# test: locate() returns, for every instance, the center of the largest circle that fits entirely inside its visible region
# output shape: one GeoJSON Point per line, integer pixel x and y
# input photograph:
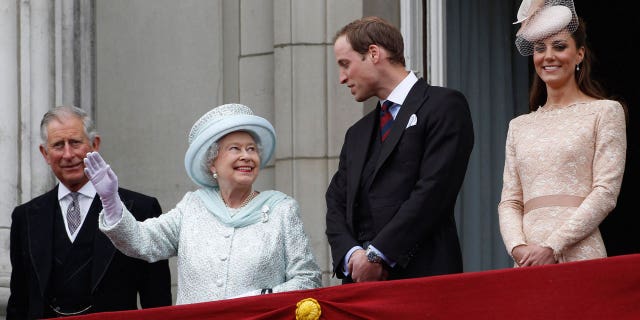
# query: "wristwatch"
{"type": "Point", "coordinates": [372, 256]}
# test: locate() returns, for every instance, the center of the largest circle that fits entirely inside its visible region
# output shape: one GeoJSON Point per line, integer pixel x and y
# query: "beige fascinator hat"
{"type": "Point", "coordinates": [214, 125]}
{"type": "Point", "coordinates": [541, 19]}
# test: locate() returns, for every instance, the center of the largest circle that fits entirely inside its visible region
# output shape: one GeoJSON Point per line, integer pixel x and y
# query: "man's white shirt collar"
{"type": "Point", "coordinates": [401, 91]}
{"type": "Point", "coordinates": [88, 190]}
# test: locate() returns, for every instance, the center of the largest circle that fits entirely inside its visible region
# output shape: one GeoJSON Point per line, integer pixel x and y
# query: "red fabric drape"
{"type": "Point", "coordinates": [597, 289]}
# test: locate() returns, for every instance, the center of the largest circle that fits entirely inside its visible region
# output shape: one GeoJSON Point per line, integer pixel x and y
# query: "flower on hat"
{"type": "Point", "coordinates": [527, 8]}
{"type": "Point", "coordinates": [214, 125]}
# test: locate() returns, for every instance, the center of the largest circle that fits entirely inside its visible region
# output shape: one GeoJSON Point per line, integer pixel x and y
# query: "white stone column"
{"type": "Point", "coordinates": [436, 43]}
{"type": "Point", "coordinates": [36, 91]}
{"type": "Point", "coordinates": [411, 28]}
{"type": "Point", "coordinates": [74, 53]}
{"type": "Point", "coordinates": [85, 57]}
{"type": "Point", "coordinates": [9, 157]}
{"type": "Point", "coordinates": [64, 53]}
{"type": "Point", "coordinates": [26, 84]}
{"type": "Point", "coordinates": [46, 54]}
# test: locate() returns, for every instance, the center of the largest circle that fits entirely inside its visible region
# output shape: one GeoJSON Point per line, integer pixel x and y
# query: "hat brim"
{"type": "Point", "coordinates": [196, 154]}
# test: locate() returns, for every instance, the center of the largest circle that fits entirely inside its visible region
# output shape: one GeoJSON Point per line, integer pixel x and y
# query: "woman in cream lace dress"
{"type": "Point", "coordinates": [565, 160]}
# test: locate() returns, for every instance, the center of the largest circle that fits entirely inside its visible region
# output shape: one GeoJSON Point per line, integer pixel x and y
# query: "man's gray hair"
{"type": "Point", "coordinates": [60, 112]}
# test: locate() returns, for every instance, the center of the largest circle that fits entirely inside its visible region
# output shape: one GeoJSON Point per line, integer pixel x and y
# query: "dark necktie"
{"type": "Point", "coordinates": [386, 119]}
{"type": "Point", "coordinates": [73, 213]}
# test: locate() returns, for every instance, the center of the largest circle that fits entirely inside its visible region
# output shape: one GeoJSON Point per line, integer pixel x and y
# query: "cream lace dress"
{"type": "Point", "coordinates": [578, 150]}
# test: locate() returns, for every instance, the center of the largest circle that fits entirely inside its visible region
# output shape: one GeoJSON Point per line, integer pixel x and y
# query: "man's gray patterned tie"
{"type": "Point", "coordinates": [73, 213]}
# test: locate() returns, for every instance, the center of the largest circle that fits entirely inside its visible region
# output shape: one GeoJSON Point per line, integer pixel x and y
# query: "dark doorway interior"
{"type": "Point", "coordinates": [611, 33]}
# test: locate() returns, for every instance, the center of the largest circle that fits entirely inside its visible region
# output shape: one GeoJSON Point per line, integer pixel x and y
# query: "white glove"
{"type": "Point", "coordinates": [106, 183]}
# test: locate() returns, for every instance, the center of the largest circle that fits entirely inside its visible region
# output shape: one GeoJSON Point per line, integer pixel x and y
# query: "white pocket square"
{"type": "Point", "coordinates": [412, 121]}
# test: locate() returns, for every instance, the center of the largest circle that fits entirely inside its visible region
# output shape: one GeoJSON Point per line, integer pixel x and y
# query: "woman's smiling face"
{"type": "Point", "coordinates": [238, 162]}
{"type": "Point", "coordinates": [555, 59]}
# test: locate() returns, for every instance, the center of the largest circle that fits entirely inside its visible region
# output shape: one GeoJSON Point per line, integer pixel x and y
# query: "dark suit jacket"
{"type": "Point", "coordinates": [417, 178]}
{"type": "Point", "coordinates": [115, 278]}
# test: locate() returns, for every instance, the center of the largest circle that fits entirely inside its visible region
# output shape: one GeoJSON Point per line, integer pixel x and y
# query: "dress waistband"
{"type": "Point", "coordinates": [561, 200]}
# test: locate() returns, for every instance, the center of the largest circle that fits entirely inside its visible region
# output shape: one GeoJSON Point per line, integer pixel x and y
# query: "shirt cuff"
{"type": "Point", "coordinates": [345, 265]}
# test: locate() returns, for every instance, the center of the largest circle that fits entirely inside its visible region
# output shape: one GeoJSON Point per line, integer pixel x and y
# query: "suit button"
{"type": "Point", "coordinates": [219, 283]}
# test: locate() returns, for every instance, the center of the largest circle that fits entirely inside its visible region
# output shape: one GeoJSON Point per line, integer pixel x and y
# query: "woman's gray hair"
{"type": "Point", "coordinates": [60, 112]}
{"type": "Point", "coordinates": [214, 149]}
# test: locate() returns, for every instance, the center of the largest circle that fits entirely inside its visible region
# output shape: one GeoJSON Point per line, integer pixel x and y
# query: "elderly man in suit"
{"type": "Point", "coordinates": [61, 263]}
{"type": "Point", "coordinates": [390, 205]}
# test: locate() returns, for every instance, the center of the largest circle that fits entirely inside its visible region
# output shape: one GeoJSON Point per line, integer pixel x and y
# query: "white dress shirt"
{"type": "Point", "coordinates": [85, 198]}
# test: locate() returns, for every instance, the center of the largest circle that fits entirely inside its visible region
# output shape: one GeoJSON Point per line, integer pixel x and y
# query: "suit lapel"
{"type": "Point", "coordinates": [414, 101]}
{"type": "Point", "coordinates": [359, 148]}
{"type": "Point", "coordinates": [40, 228]}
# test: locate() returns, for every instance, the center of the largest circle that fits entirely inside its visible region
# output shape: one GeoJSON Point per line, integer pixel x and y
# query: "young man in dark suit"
{"type": "Point", "coordinates": [390, 205]}
{"type": "Point", "coordinates": [61, 263]}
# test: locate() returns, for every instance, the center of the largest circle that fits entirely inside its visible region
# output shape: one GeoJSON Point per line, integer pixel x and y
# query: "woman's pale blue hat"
{"type": "Point", "coordinates": [214, 125]}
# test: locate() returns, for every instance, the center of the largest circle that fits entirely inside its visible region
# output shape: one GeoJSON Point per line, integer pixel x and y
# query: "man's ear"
{"type": "Point", "coordinates": [95, 144]}
{"type": "Point", "coordinates": [374, 53]}
{"type": "Point", "coordinates": [43, 151]}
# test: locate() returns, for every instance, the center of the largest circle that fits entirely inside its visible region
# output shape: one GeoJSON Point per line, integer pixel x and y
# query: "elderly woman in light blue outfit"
{"type": "Point", "coordinates": [230, 240]}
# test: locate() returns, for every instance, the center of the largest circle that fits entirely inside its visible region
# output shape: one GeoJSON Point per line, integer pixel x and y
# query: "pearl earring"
{"type": "Point", "coordinates": [578, 67]}
{"type": "Point", "coordinates": [215, 175]}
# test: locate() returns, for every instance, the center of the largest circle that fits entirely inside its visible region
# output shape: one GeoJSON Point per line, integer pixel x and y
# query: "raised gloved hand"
{"type": "Point", "coordinates": [106, 183]}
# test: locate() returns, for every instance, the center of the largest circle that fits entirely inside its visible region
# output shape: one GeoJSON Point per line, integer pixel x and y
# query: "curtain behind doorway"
{"type": "Point", "coordinates": [482, 62]}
